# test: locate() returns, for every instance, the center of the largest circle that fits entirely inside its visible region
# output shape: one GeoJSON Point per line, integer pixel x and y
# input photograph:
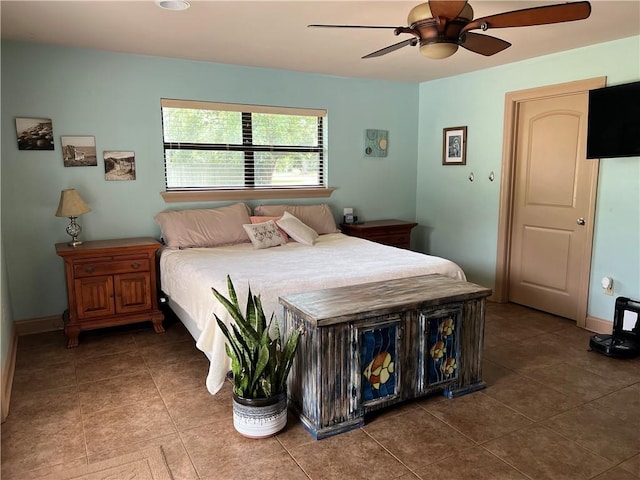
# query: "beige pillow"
{"type": "Point", "coordinates": [210, 227]}
{"type": "Point", "coordinates": [265, 234]}
{"type": "Point", "coordinates": [318, 217]}
{"type": "Point", "coordinates": [297, 230]}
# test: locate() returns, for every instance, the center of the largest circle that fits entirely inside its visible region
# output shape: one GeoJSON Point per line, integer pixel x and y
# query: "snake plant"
{"type": "Point", "coordinates": [259, 362]}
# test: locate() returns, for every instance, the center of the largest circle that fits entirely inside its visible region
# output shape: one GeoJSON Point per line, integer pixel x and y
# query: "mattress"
{"type": "Point", "coordinates": [188, 276]}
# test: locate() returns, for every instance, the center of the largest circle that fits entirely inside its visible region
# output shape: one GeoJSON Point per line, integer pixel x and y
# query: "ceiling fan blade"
{"type": "Point", "coordinates": [565, 12]}
{"type": "Point", "coordinates": [353, 26]}
{"type": "Point", "coordinates": [443, 11]}
{"type": "Point", "coordinates": [448, 9]}
{"type": "Point", "coordinates": [483, 44]}
{"type": "Point", "coordinates": [392, 48]}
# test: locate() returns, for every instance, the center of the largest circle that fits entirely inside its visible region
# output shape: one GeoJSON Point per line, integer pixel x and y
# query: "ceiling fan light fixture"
{"type": "Point", "coordinates": [418, 13]}
{"type": "Point", "coordinates": [441, 26]}
{"type": "Point", "coordinates": [438, 50]}
{"type": "Point", "coordinates": [175, 5]}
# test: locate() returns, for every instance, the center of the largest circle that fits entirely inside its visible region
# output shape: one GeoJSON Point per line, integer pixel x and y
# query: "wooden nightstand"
{"type": "Point", "coordinates": [396, 233]}
{"type": "Point", "coordinates": [110, 282]}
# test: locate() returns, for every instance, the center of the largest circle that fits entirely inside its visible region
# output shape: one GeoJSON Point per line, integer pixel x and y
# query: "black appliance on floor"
{"type": "Point", "coordinates": [624, 341]}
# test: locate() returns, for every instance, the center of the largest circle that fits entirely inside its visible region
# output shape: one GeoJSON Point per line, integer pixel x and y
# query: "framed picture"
{"type": "Point", "coordinates": [376, 143]}
{"type": "Point", "coordinates": [34, 133]}
{"type": "Point", "coordinates": [119, 165]}
{"type": "Point", "coordinates": [79, 151]}
{"type": "Point", "coordinates": [454, 146]}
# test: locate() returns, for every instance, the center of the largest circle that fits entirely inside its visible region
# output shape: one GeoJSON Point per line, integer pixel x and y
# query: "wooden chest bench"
{"type": "Point", "coordinates": [373, 345]}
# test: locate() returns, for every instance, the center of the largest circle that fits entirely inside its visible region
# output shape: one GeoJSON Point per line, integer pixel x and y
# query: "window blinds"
{"type": "Point", "coordinates": [211, 145]}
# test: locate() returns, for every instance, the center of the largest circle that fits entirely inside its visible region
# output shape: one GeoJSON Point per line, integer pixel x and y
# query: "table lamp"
{"type": "Point", "coordinates": [71, 205]}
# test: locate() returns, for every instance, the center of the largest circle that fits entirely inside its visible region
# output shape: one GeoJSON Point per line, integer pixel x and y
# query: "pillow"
{"type": "Point", "coordinates": [211, 227]}
{"type": "Point", "coordinates": [266, 219]}
{"type": "Point", "coordinates": [264, 234]}
{"type": "Point", "coordinates": [297, 230]}
{"type": "Point", "coordinates": [318, 217]}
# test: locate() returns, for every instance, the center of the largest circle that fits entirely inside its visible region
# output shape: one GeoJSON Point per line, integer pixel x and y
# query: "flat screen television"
{"type": "Point", "coordinates": [614, 121]}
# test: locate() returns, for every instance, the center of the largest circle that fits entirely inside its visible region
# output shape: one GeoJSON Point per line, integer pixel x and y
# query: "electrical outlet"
{"type": "Point", "coordinates": [607, 285]}
{"type": "Point", "coordinates": [609, 290]}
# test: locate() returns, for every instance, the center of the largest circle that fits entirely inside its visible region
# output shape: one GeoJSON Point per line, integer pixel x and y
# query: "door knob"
{"type": "Point", "coordinates": [580, 221]}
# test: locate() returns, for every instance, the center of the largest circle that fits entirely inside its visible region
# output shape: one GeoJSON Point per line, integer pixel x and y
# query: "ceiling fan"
{"type": "Point", "coordinates": [441, 26]}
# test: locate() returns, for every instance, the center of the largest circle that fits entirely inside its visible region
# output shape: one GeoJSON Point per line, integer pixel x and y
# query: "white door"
{"type": "Point", "coordinates": [537, 222]}
{"type": "Point", "coordinates": [552, 220]}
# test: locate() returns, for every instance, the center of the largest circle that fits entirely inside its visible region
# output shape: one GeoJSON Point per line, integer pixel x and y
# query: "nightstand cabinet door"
{"type": "Point", "coordinates": [133, 292]}
{"type": "Point", "coordinates": [94, 297]}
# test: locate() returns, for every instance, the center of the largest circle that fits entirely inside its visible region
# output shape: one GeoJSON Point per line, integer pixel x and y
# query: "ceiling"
{"type": "Point", "coordinates": [274, 34]}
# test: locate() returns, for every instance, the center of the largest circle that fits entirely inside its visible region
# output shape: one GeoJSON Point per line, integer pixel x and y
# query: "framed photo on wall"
{"type": "Point", "coordinates": [119, 165]}
{"type": "Point", "coordinates": [34, 133]}
{"type": "Point", "coordinates": [454, 146]}
{"type": "Point", "coordinates": [79, 151]}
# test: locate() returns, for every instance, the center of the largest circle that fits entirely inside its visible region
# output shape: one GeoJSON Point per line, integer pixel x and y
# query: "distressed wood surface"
{"type": "Point", "coordinates": [335, 305]}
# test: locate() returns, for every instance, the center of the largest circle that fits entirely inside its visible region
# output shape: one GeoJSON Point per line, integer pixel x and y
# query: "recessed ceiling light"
{"type": "Point", "coordinates": [173, 4]}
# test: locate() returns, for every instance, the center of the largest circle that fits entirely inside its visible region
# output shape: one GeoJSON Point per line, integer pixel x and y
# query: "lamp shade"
{"type": "Point", "coordinates": [71, 204]}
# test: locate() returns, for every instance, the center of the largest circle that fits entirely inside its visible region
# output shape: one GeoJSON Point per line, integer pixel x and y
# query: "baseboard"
{"type": "Point", "coordinates": [8, 372]}
{"type": "Point", "coordinates": [38, 325]}
{"type": "Point", "coordinates": [598, 325]}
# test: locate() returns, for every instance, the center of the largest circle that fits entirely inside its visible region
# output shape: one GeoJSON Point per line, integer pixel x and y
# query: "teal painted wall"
{"type": "Point", "coordinates": [461, 217]}
{"type": "Point", "coordinates": [116, 98]}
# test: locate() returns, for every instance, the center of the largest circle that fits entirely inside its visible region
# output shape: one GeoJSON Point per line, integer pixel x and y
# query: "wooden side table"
{"type": "Point", "coordinates": [396, 233]}
{"type": "Point", "coordinates": [110, 282]}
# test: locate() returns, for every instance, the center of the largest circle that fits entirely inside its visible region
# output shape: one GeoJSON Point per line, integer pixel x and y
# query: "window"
{"type": "Point", "coordinates": [220, 146]}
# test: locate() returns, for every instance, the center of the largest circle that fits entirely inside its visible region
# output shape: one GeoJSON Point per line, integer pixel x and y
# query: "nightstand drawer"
{"type": "Point", "coordinates": [101, 267]}
{"type": "Point", "coordinates": [396, 233]}
{"type": "Point", "coordinates": [388, 237]}
{"type": "Point", "coordinates": [391, 238]}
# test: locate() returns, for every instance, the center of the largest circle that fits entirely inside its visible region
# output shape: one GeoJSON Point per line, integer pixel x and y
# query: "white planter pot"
{"type": "Point", "coordinates": [259, 418]}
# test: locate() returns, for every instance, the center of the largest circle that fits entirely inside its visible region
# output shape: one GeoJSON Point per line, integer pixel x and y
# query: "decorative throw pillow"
{"type": "Point", "coordinates": [264, 234]}
{"type": "Point", "coordinates": [317, 216]}
{"type": "Point", "coordinates": [266, 219]}
{"type": "Point", "coordinates": [297, 230]}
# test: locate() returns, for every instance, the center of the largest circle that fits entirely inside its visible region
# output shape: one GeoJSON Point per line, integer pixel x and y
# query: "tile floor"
{"type": "Point", "coordinates": [552, 410]}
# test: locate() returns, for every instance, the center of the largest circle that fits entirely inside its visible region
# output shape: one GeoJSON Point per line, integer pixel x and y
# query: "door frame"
{"type": "Point", "coordinates": [507, 186]}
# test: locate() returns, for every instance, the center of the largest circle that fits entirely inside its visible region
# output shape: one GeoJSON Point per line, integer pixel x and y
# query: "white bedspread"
{"type": "Point", "coordinates": [187, 277]}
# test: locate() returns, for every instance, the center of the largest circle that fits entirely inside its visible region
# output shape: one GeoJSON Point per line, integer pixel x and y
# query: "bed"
{"type": "Point", "coordinates": [333, 259]}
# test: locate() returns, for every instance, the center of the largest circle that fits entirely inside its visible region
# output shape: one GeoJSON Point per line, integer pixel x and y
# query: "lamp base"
{"type": "Point", "coordinates": [73, 230]}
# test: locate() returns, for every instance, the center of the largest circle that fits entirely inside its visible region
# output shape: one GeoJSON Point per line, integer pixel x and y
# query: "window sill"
{"type": "Point", "coordinates": [244, 194]}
